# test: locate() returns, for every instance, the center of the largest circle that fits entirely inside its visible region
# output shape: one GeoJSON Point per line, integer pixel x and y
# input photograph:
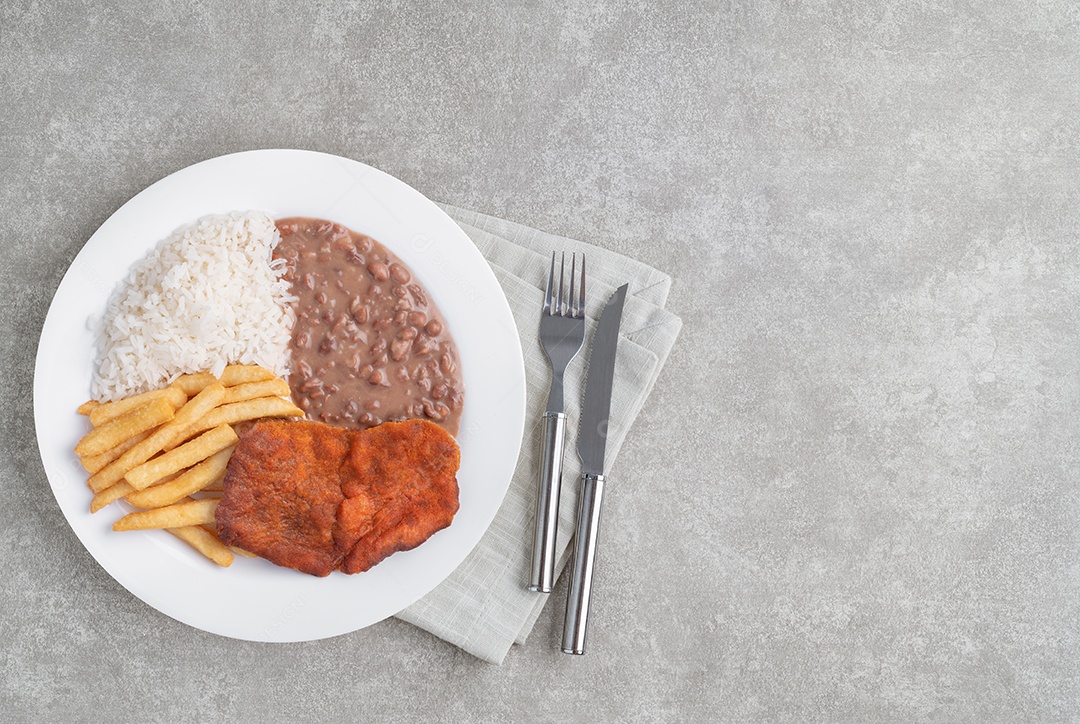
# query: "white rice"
{"type": "Point", "coordinates": [209, 295]}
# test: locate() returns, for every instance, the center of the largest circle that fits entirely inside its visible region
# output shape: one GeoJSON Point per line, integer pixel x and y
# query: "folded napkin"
{"type": "Point", "coordinates": [484, 606]}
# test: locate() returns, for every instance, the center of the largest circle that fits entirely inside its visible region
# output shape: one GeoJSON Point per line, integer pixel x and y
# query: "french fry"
{"type": "Point", "coordinates": [217, 485]}
{"type": "Point", "coordinates": [111, 410]}
{"type": "Point", "coordinates": [87, 407]}
{"type": "Point", "coordinates": [181, 457]}
{"type": "Point", "coordinates": [196, 408]}
{"type": "Point", "coordinates": [193, 384]}
{"type": "Point", "coordinates": [204, 542]}
{"type": "Point", "coordinates": [242, 552]}
{"type": "Point", "coordinates": [93, 463]}
{"type": "Point", "coordinates": [241, 411]}
{"type": "Point", "coordinates": [114, 492]}
{"type": "Point", "coordinates": [110, 495]}
{"type": "Point", "coordinates": [190, 512]}
{"type": "Point", "coordinates": [239, 374]}
{"type": "Point", "coordinates": [190, 481]}
{"type": "Point", "coordinates": [129, 424]}
{"type": "Point", "coordinates": [277, 387]}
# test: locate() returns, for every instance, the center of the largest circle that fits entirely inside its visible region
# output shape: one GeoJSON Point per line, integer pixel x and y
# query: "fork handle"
{"type": "Point", "coordinates": [542, 576]}
{"type": "Point", "coordinates": [581, 572]}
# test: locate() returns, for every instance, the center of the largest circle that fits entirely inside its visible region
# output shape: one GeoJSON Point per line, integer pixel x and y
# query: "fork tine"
{"type": "Point", "coordinates": [581, 289]}
{"type": "Point", "coordinates": [548, 307]}
{"type": "Point", "coordinates": [572, 301]}
{"type": "Point", "coordinates": [562, 275]}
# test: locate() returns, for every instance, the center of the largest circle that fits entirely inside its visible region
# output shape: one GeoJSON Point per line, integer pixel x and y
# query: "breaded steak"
{"type": "Point", "coordinates": [317, 498]}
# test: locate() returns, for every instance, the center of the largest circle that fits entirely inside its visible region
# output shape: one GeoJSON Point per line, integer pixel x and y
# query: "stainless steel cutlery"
{"type": "Point", "coordinates": [562, 333]}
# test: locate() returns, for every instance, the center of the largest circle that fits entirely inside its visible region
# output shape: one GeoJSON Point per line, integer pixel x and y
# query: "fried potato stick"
{"type": "Point", "coordinates": [191, 512]}
{"type": "Point", "coordinates": [87, 407]}
{"type": "Point", "coordinates": [241, 411]}
{"type": "Point", "coordinates": [116, 491]}
{"type": "Point", "coordinates": [181, 457]}
{"type": "Point", "coordinates": [190, 481]}
{"type": "Point", "coordinates": [129, 424]}
{"type": "Point", "coordinates": [110, 495]}
{"type": "Point", "coordinates": [111, 410]}
{"type": "Point", "coordinates": [193, 384]}
{"type": "Point", "coordinates": [216, 485]}
{"type": "Point", "coordinates": [196, 408]}
{"type": "Point", "coordinates": [239, 374]}
{"type": "Point", "coordinates": [93, 463]}
{"type": "Point", "coordinates": [276, 387]}
{"type": "Point", "coordinates": [204, 542]}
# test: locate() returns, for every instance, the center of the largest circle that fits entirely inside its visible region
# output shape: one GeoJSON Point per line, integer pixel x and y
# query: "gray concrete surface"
{"type": "Point", "coordinates": [852, 496]}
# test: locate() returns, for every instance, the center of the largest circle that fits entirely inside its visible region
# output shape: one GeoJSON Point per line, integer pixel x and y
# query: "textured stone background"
{"type": "Point", "coordinates": [852, 496]}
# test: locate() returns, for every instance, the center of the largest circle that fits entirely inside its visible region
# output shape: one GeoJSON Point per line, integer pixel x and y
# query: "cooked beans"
{"type": "Point", "coordinates": [368, 345]}
{"type": "Point", "coordinates": [378, 271]}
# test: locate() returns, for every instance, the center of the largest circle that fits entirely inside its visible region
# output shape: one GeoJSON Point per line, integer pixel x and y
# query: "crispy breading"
{"type": "Point", "coordinates": [400, 487]}
{"type": "Point", "coordinates": [317, 498]}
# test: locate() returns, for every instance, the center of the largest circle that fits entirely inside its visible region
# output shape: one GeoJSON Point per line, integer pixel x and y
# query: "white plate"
{"type": "Point", "coordinates": [254, 599]}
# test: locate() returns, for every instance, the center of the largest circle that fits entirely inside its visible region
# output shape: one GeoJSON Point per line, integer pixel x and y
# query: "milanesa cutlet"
{"type": "Point", "coordinates": [317, 498]}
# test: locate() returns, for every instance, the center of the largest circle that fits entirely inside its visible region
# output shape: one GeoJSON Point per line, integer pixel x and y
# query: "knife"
{"type": "Point", "coordinates": [592, 439]}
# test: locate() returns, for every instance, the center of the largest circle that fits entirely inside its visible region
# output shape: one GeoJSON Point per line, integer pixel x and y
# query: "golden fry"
{"type": "Point", "coordinates": [114, 492]}
{"type": "Point", "coordinates": [111, 410]}
{"type": "Point", "coordinates": [204, 542]}
{"type": "Point", "coordinates": [110, 495]}
{"type": "Point", "coordinates": [129, 424]}
{"type": "Point", "coordinates": [193, 384]}
{"type": "Point", "coordinates": [93, 463]}
{"type": "Point", "coordinates": [239, 374]}
{"type": "Point", "coordinates": [276, 387]}
{"type": "Point", "coordinates": [186, 455]}
{"type": "Point", "coordinates": [191, 512]}
{"type": "Point", "coordinates": [241, 411]}
{"type": "Point", "coordinates": [87, 407]}
{"type": "Point", "coordinates": [196, 408]}
{"type": "Point", "coordinates": [217, 485]}
{"type": "Point", "coordinates": [190, 481]}
{"type": "Point", "coordinates": [242, 552]}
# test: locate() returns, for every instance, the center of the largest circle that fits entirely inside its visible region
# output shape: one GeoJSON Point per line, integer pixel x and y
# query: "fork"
{"type": "Point", "coordinates": [562, 332]}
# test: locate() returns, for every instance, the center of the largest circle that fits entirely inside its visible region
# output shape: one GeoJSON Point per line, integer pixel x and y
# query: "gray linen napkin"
{"type": "Point", "coordinates": [484, 607]}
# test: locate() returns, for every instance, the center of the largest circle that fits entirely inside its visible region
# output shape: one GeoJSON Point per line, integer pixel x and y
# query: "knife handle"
{"type": "Point", "coordinates": [542, 577]}
{"type": "Point", "coordinates": [577, 600]}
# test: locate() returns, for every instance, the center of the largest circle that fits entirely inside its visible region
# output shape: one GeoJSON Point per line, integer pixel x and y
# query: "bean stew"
{"type": "Point", "coordinates": [369, 345]}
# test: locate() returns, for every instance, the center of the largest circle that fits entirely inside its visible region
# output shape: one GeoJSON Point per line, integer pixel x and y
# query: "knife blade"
{"type": "Point", "coordinates": [592, 431]}
{"type": "Point", "coordinates": [592, 444]}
